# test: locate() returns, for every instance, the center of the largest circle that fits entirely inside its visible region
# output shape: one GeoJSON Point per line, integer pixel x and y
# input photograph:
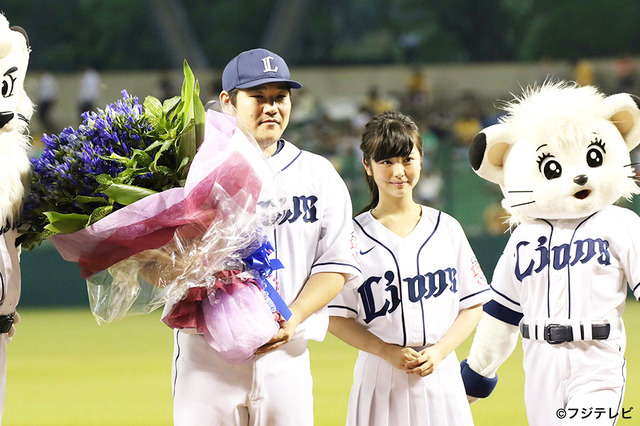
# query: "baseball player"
{"type": "Point", "coordinates": [422, 293]}
{"type": "Point", "coordinates": [314, 241]}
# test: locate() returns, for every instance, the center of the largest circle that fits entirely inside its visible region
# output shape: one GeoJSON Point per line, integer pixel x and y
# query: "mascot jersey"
{"type": "Point", "coordinates": [559, 271]}
{"type": "Point", "coordinates": [9, 272]}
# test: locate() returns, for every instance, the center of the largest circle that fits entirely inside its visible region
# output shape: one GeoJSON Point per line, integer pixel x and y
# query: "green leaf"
{"type": "Point", "coordinates": [170, 105]}
{"type": "Point", "coordinates": [199, 115]}
{"type": "Point", "coordinates": [31, 240]}
{"type": "Point", "coordinates": [100, 213]}
{"type": "Point", "coordinates": [166, 145]}
{"type": "Point", "coordinates": [152, 108]}
{"type": "Point", "coordinates": [127, 194]}
{"type": "Point", "coordinates": [141, 158]}
{"type": "Point", "coordinates": [154, 145]}
{"type": "Point", "coordinates": [186, 161]}
{"type": "Point", "coordinates": [187, 86]}
{"type": "Point", "coordinates": [175, 114]}
{"type": "Point", "coordinates": [167, 171]}
{"type": "Point", "coordinates": [104, 179]}
{"type": "Point", "coordinates": [86, 200]}
{"type": "Point", "coordinates": [65, 223]}
{"type": "Point", "coordinates": [187, 140]}
{"type": "Point", "coordinates": [125, 176]}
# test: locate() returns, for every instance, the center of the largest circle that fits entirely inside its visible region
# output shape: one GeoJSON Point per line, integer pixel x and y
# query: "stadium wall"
{"type": "Point", "coordinates": [50, 281]}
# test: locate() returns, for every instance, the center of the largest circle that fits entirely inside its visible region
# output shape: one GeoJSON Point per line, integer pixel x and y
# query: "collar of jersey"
{"type": "Point", "coordinates": [287, 153]}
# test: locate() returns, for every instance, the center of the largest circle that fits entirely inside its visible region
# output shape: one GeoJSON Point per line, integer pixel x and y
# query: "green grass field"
{"type": "Point", "coordinates": [64, 369]}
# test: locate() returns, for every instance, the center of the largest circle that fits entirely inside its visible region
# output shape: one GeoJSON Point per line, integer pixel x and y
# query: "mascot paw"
{"type": "Point", "coordinates": [476, 385]}
{"type": "Point", "coordinates": [12, 330]}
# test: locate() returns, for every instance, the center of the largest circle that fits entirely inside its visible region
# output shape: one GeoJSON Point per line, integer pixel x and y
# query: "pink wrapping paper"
{"type": "Point", "coordinates": [203, 225]}
{"type": "Point", "coordinates": [236, 325]}
{"type": "Point", "coordinates": [152, 221]}
{"type": "Point", "coordinates": [187, 313]}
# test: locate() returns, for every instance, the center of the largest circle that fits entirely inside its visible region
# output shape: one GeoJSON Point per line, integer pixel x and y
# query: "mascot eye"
{"type": "Point", "coordinates": [594, 157]}
{"type": "Point", "coordinates": [549, 167]}
{"type": "Point", "coordinates": [7, 86]}
{"type": "Point", "coordinates": [595, 154]}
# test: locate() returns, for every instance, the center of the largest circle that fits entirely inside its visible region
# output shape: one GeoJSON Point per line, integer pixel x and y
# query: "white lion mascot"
{"type": "Point", "coordinates": [15, 111]}
{"type": "Point", "coordinates": [561, 157]}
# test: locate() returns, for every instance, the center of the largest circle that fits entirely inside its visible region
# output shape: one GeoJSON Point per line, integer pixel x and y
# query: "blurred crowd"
{"type": "Point", "coordinates": [334, 131]}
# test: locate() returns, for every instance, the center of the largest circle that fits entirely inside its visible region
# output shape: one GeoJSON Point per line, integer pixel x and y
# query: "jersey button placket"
{"type": "Point", "coordinates": [412, 310]}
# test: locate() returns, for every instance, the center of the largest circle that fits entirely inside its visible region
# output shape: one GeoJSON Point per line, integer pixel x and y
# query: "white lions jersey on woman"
{"type": "Point", "coordinates": [414, 287]}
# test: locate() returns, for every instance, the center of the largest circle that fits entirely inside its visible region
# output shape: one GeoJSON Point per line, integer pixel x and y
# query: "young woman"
{"type": "Point", "coordinates": [421, 297]}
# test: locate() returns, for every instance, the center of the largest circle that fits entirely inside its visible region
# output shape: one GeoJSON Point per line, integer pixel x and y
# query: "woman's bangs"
{"type": "Point", "coordinates": [394, 144]}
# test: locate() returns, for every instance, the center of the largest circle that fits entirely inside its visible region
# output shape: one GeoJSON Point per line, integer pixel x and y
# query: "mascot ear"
{"type": "Point", "coordinates": [487, 152]}
{"type": "Point", "coordinates": [623, 110]}
{"type": "Point", "coordinates": [21, 31]}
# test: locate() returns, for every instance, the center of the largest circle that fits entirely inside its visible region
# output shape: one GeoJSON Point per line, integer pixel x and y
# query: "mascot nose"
{"type": "Point", "coordinates": [5, 117]}
{"type": "Point", "coordinates": [581, 179]}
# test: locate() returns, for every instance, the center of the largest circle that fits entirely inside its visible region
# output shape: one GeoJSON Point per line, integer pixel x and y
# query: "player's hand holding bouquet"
{"type": "Point", "coordinates": [162, 204]}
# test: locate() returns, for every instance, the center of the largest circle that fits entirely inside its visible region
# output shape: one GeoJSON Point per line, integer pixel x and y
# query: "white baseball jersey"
{"type": "Point", "coordinates": [571, 272]}
{"type": "Point", "coordinates": [9, 272]}
{"type": "Point", "coordinates": [414, 287]}
{"type": "Point", "coordinates": [413, 290]}
{"type": "Point", "coordinates": [314, 234]}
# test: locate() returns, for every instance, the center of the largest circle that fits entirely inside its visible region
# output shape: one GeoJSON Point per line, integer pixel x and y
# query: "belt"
{"type": "Point", "coordinates": [558, 333]}
{"type": "Point", "coordinates": [6, 321]}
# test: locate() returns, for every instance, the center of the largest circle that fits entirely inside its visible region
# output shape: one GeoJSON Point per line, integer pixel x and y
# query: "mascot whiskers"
{"type": "Point", "coordinates": [15, 111]}
{"type": "Point", "coordinates": [561, 157]}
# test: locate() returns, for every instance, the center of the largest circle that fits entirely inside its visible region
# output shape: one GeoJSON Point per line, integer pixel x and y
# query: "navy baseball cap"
{"type": "Point", "coordinates": [255, 67]}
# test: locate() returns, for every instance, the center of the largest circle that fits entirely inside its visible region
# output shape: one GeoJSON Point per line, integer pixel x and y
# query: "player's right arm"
{"type": "Point", "coordinates": [354, 334]}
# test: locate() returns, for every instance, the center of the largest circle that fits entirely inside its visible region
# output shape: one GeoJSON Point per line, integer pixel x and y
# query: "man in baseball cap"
{"type": "Point", "coordinates": [258, 84]}
{"type": "Point", "coordinates": [255, 67]}
{"type": "Point", "coordinates": [313, 240]}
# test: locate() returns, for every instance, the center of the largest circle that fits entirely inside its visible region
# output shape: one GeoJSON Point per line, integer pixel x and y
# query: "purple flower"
{"type": "Point", "coordinates": [72, 159]}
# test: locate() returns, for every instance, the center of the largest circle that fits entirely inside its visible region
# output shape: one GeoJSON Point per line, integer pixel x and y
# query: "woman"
{"type": "Point", "coordinates": [421, 297]}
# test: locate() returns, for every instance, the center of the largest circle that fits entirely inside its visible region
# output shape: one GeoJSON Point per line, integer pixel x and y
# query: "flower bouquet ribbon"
{"type": "Point", "coordinates": [200, 250]}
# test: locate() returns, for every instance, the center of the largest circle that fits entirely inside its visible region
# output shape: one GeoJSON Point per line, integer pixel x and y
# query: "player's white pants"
{"type": "Point", "coordinates": [274, 389]}
{"type": "Point", "coordinates": [383, 395]}
{"type": "Point", "coordinates": [576, 383]}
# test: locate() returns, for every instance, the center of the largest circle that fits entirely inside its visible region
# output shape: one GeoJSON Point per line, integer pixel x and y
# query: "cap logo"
{"type": "Point", "coordinates": [268, 67]}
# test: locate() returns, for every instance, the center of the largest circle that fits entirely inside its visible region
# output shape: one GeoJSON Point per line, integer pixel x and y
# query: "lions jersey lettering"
{"type": "Point", "coordinates": [419, 287]}
{"type": "Point", "coordinates": [560, 256]}
{"type": "Point", "coordinates": [303, 207]}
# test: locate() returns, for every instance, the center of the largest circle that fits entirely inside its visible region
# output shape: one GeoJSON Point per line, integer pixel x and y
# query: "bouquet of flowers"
{"type": "Point", "coordinates": [162, 204]}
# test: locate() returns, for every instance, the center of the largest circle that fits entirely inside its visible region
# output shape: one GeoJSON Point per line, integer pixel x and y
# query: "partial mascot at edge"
{"type": "Point", "coordinates": [15, 111]}
{"type": "Point", "coordinates": [561, 158]}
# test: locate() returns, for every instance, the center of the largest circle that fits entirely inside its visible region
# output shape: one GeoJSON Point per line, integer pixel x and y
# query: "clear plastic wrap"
{"type": "Point", "coordinates": [200, 251]}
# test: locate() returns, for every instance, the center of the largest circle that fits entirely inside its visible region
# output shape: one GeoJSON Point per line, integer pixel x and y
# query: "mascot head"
{"type": "Point", "coordinates": [15, 111]}
{"type": "Point", "coordinates": [561, 152]}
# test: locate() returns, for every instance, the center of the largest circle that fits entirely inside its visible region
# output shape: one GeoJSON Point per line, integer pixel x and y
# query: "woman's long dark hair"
{"type": "Point", "coordinates": [387, 135]}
